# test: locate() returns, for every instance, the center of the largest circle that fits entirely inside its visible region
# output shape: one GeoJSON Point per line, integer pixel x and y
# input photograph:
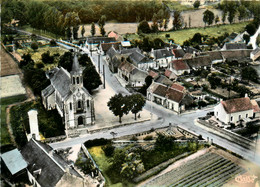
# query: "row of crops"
{"type": "Point", "coordinates": [207, 170]}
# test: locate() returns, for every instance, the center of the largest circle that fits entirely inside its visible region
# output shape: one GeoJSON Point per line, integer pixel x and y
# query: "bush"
{"type": "Point", "coordinates": [108, 150]}
{"type": "Point", "coordinates": [167, 35]}
{"type": "Point", "coordinates": [53, 43]}
{"type": "Point", "coordinates": [34, 46]}
{"type": "Point", "coordinates": [40, 65]}
{"type": "Point", "coordinates": [134, 138]}
{"type": "Point", "coordinates": [149, 137]}
{"type": "Point", "coordinates": [97, 142]}
{"type": "Point", "coordinates": [202, 103]}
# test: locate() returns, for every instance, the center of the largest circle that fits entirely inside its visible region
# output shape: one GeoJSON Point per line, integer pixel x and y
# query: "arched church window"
{"type": "Point", "coordinates": [70, 106]}
{"type": "Point", "coordinates": [77, 80]}
{"type": "Point", "coordinates": [87, 103]}
{"type": "Point", "coordinates": [79, 104]}
{"type": "Point", "coordinates": [73, 80]}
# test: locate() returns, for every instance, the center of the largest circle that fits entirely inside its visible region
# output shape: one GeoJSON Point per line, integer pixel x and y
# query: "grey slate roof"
{"type": "Point", "coordinates": [137, 57]}
{"type": "Point", "coordinates": [230, 46]}
{"type": "Point", "coordinates": [162, 53]}
{"type": "Point", "coordinates": [111, 52]}
{"type": "Point", "coordinates": [199, 61]}
{"type": "Point", "coordinates": [164, 80]}
{"type": "Point", "coordinates": [130, 50]}
{"type": "Point", "coordinates": [48, 91]}
{"type": "Point", "coordinates": [99, 40]}
{"type": "Point", "coordinates": [75, 65]}
{"type": "Point", "coordinates": [61, 82]}
{"type": "Point", "coordinates": [52, 166]}
{"type": "Point", "coordinates": [14, 161]}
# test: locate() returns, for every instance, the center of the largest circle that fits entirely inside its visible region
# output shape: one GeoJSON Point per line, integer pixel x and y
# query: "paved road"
{"type": "Point", "coordinates": [165, 117]}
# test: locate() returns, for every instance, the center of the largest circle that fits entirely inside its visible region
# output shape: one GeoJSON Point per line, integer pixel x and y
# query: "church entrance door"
{"type": "Point", "coordinates": [80, 120]}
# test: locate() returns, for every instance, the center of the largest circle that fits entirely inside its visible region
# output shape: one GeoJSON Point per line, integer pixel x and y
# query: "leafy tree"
{"type": "Point", "coordinates": [231, 16]}
{"type": "Point", "coordinates": [66, 61]}
{"type": "Point", "coordinates": [102, 31]}
{"type": "Point", "coordinates": [85, 164]}
{"type": "Point", "coordinates": [249, 73]}
{"type": "Point", "coordinates": [208, 17]}
{"type": "Point", "coordinates": [148, 80]}
{"type": "Point", "coordinates": [47, 58]}
{"type": "Point", "coordinates": [154, 26]}
{"type": "Point", "coordinates": [196, 4]}
{"type": "Point", "coordinates": [93, 29]}
{"type": "Point", "coordinates": [143, 27]}
{"type": "Point", "coordinates": [224, 15]}
{"type": "Point", "coordinates": [34, 46]}
{"type": "Point", "coordinates": [75, 32]}
{"type": "Point", "coordinates": [84, 59]}
{"type": "Point", "coordinates": [242, 11]}
{"type": "Point", "coordinates": [164, 142]}
{"type": "Point", "coordinates": [137, 102]}
{"type": "Point", "coordinates": [26, 59]}
{"type": "Point", "coordinates": [68, 33]}
{"type": "Point", "coordinates": [251, 29]}
{"type": "Point", "coordinates": [108, 150]}
{"type": "Point", "coordinates": [82, 31]}
{"type": "Point", "coordinates": [101, 24]}
{"type": "Point", "coordinates": [246, 37]}
{"type": "Point", "coordinates": [177, 20]}
{"type": "Point", "coordinates": [119, 105]}
{"type": "Point", "coordinates": [197, 38]}
{"type": "Point", "coordinates": [91, 78]}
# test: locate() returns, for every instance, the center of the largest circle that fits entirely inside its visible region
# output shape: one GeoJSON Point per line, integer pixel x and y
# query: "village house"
{"type": "Point", "coordinates": [162, 56]}
{"type": "Point", "coordinates": [153, 74]}
{"type": "Point", "coordinates": [234, 110]}
{"type": "Point", "coordinates": [93, 43]}
{"type": "Point", "coordinates": [199, 62]}
{"type": "Point", "coordinates": [46, 168]}
{"type": "Point", "coordinates": [233, 46]}
{"type": "Point", "coordinates": [235, 37]}
{"type": "Point", "coordinates": [131, 74]}
{"type": "Point", "coordinates": [215, 56]}
{"type": "Point", "coordinates": [113, 34]}
{"type": "Point", "coordinates": [104, 47]}
{"type": "Point", "coordinates": [241, 55]}
{"type": "Point", "coordinates": [169, 74]}
{"type": "Point", "coordinates": [179, 67]}
{"type": "Point", "coordinates": [255, 54]}
{"type": "Point", "coordinates": [67, 94]}
{"type": "Point", "coordinates": [169, 97]}
{"type": "Point", "coordinates": [178, 53]}
{"type": "Point", "coordinates": [163, 80]}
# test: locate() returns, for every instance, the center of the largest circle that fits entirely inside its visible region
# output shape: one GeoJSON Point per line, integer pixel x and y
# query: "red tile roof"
{"type": "Point", "coordinates": [237, 105]}
{"type": "Point", "coordinates": [255, 106]}
{"type": "Point", "coordinates": [113, 34]}
{"type": "Point", "coordinates": [177, 87]}
{"type": "Point", "coordinates": [153, 74]}
{"type": "Point", "coordinates": [180, 65]}
{"type": "Point", "coordinates": [167, 73]}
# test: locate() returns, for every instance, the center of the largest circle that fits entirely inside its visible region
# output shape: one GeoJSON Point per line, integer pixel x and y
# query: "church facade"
{"type": "Point", "coordinates": [67, 94]}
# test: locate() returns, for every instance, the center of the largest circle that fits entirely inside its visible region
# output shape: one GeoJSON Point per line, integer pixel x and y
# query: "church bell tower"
{"type": "Point", "coordinates": [76, 74]}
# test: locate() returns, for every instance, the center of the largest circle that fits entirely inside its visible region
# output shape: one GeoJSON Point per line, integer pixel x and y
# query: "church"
{"type": "Point", "coordinates": [67, 94]}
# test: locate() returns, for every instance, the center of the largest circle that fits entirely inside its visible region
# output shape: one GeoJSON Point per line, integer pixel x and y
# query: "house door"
{"type": "Point", "coordinates": [80, 120]}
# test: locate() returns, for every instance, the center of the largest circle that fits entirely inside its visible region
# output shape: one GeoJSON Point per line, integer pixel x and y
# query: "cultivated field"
{"type": "Point", "coordinates": [8, 65]}
{"type": "Point", "coordinates": [209, 169]}
{"type": "Point", "coordinates": [11, 86]}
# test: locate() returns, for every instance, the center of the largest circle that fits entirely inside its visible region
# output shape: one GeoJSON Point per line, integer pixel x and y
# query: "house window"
{"type": "Point", "coordinates": [87, 103]}
{"type": "Point", "coordinates": [239, 117]}
{"type": "Point", "coordinates": [70, 106]}
{"type": "Point", "coordinates": [77, 80]}
{"type": "Point", "coordinates": [246, 115]}
{"type": "Point", "coordinates": [231, 119]}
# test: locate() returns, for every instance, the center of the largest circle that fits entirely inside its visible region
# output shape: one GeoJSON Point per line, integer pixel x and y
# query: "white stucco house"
{"type": "Point", "coordinates": [67, 94]}
{"type": "Point", "coordinates": [234, 110]}
{"type": "Point", "coordinates": [178, 67]}
{"type": "Point", "coordinates": [162, 56]}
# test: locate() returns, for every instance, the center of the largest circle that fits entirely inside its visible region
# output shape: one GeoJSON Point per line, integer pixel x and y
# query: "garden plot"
{"type": "Point", "coordinates": [209, 169]}
{"type": "Point", "coordinates": [8, 65]}
{"type": "Point", "coordinates": [11, 86]}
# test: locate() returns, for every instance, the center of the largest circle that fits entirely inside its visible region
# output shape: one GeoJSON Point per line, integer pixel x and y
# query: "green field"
{"type": "Point", "coordinates": [181, 35]}
{"type": "Point", "coordinates": [177, 6]}
{"type": "Point", "coordinates": [112, 179]}
{"type": "Point", "coordinates": [5, 137]}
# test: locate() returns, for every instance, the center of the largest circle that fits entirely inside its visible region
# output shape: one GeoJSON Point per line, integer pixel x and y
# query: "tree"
{"type": "Point", "coordinates": [34, 46]}
{"type": "Point", "coordinates": [249, 73]}
{"type": "Point", "coordinates": [108, 150]}
{"type": "Point", "coordinates": [93, 29]}
{"type": "Point", "coordinates": [242, 11]}
{"type": "Point", "coordinates": [66, 61]}
{"type": "Point", "coordinates": [91, 78]}
{"type": "Point", "coordinates": [177, 20]}
{"type": "Point", "coordinates": [47, 58]}
{"type": "Point", "coordinates": [68, 33]}
{"type": "Point", "coordinates": [208, 17]}
{"type": "Point", "coordinates": [231, 16]}
{"type": "Point", "coordinates": [137, 102]}
{"type": "Point", "coordinates": [165, 24]}
{"type": "Point", "coordinates": [75, 32]}
{"type": "Point", "coordinates": [101, 24]}
{"type": "Point", "coordinates": [189, 21]}
{"type": "Point", "coordinates": [154, 26]}
{"type": "Point", "coordinates": [246, 37]}
{"type": "Point", "coordinates": [82, 31]}
{"type": "Point", "coordinates": [53, 43]}
{"type": "Point", "coordinates": [26, 59]}
{"type": "Point", "coordinates": [143, 27]}
{"type": "Point", "coordinates": [217, 19]}
{"type": "Point", "coordinates": [119, 105]}
{"type": "Point", "coordinates": [102, 31]}
{"type": "Point", "coordinates": [251, 29]}
{"type": "Point", "coordinates": [224, 15]}
{"type": "Point", "coordinates": [196, 4]}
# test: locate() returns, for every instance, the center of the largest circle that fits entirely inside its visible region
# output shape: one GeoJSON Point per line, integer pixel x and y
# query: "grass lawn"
{"type": "Point", "coordinates": [5, 137]}
{"type": "Point", "coordinates": [36, 55]}
{"type": "Point", "coordinates": [181, 35]}
{"type": "Point", "coordinates": [112, 179]}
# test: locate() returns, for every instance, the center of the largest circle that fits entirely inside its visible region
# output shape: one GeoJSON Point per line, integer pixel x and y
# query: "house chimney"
{"type": "Point", "coordinates": [33, 122]}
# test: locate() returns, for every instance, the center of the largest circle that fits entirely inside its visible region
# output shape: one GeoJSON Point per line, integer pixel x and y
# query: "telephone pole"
{"type": "Point", "coordinates": [104, 77]}
{"type": "Point", "coordinates": [98, 63]}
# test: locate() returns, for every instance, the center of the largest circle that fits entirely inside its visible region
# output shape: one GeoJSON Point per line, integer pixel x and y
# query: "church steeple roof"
{"type": "Point", "coordinates": [75, 65]}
